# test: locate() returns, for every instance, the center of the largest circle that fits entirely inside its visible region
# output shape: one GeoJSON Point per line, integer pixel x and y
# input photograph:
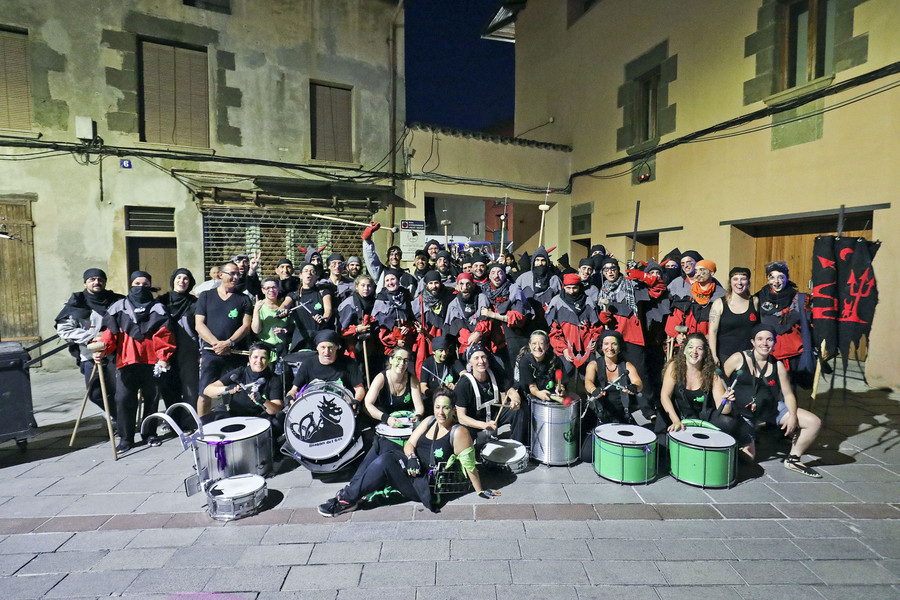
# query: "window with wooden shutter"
{"type": "Point", "coordinates": [330, 113]}
{"type": "Point", "coordinates": [175, 95]}
{"type": "Point", "coordinates": [15, 92]}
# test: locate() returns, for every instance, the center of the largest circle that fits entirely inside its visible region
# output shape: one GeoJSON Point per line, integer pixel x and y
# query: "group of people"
{"type": "Point", "coordinates": [463, 342]}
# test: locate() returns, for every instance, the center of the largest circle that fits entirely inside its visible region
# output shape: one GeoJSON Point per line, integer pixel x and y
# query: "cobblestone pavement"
{"type": "Point", "coordinates": [74, 523]}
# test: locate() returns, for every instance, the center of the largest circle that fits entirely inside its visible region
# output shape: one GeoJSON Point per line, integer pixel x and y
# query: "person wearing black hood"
{"type": "Point", "coordinates": [445, 268]}
{"type": "Point", "coordinates": [314, 257]}
{"type": "Point", "coordinates": [138, 330]}
{"type": "Point", "coordinates": [479, 269]}
{"type": "Point", "coordinates": [510, 313]}
{"type": "Point", "coordinates": [182, 383]}
{"type": "Point", "coordinates": [310, 307]}
{"type": "Point", "coordinates": [420, 265]}
{"type": "Point", "coordinates": [670, 266]}
{"type": "Point", "coordinates": [377, 269]}
{"type": "Point", "coordinates": [357, 324]}
{"type": "Point", "coordinates": [785, 310]}
{"type": "Point", "coordinates": [393, 313]}
{"type": "Point", "coordinates": [573, 325]}
{"type": "Point", "coordinates": [432, 247]}
{"type": "Point", "coordinates": [430, 310]}
{"type": "Point", "coordinates": [539, 285]}
{"type": "Point", "coordinates": [465, 315]}
{"type": "Point", "coordinates": [337, 284]}
{"type": "Point", "coordinates": [287, 282]}
{"type": "Point", "coordinates": [79, 323]}
{"type": "Point", "coordinates": [442, 369]}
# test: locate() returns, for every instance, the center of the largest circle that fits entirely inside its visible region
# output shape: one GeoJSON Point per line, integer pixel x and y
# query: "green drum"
{"type": "Point", "coordinates": [625, 453]}
{"type": "Point", "coordinates": [699, 423]}
{"type": "Point", "coordinates": [703, 457]}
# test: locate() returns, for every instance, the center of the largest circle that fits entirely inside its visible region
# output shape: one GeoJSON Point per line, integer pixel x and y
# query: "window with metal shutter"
{"type": "Point", "coordinates": [330, 109]}
{"type": "Point", "coordinates": [15, 92]}
{"type": "Point", "coordinates": [276, 234]}
{"type": "Point", "coordinates": [175, 94]}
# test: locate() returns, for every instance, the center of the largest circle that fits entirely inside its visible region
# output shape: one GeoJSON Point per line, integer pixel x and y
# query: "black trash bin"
{"type": "Point", "coordinates": [16, 410]}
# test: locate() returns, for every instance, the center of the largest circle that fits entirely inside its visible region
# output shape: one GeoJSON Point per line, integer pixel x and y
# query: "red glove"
{"type": "Point", "coordinates": [606, 318]}
{"type": "Point", "coordinates": [373, 226]}
{"type": "Point", "coordinates": [638, 275]}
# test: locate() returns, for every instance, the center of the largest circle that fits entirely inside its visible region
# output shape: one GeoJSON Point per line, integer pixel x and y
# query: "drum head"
{"type": "Point", "coordinates": [238, 485]}
{"type": "Point", "coordinates": [702, 437]}
{"type": "Point", "coordinates": [624, 435]}
{"type": "Point", "coordinates": [405, 418]}
{"type": "Point", "coordinates": [503, 452]}
{"type": "Point", "coordinates": [234, 428]}
{"type": "Point", "coordinates": [320, 424]}
{"type": "Point", "coordinates": [393, 432]}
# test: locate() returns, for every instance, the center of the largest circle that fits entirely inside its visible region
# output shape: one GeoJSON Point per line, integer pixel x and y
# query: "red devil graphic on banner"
{"type": "Point", "coordinates": [844, 292]}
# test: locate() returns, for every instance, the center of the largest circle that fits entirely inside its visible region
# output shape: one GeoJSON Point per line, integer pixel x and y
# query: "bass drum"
{"type": "Point", "coordinates": [235, 446]}
{"type": "Point", "coordinates": [320, 428]}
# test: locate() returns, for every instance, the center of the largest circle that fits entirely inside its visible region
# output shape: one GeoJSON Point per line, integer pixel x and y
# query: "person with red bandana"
{"type": "Point", "coordinates": [691, 312]}
{"type": "Point", "coordinates": [573, 324]}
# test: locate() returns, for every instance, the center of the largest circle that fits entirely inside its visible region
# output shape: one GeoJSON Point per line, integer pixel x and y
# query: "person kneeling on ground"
{"type": "Point", "coordinates": [437, 442]}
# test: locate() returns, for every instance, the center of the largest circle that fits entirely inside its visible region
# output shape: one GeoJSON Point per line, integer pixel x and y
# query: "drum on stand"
{"type": "Point", "coordinates": [319, 428]}
{"type": "Point", "coordinates": [235, 446]}
{"type": "Point", "coordinates": [625, 453]}
{"type": "Point", "coordinates": [505, 455]}
{"type": "Point", "coordinates": [235, 497]}
{"type": "Point", "coordinates": [703, 457]}
{"type": "Point", "coordinates": [555, 431]}
{"type": "Point", "coordinates": [402, 432]}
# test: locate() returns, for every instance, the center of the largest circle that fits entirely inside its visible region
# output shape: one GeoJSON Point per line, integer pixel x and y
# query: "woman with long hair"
{"type": "Point", "coordinates": [691, 389]}
{"type": "Point", "coordinates": [410, 469]}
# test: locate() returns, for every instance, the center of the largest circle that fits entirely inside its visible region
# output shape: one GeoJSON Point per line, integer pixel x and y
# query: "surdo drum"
{"type": "Point", "coordinates": [625, 453]}
{"type": "Point", "coordinates": [235, 446]}
{"type": "Point", "coordinates": [703, 457]}
{"type": "Point", "coordinates": [555, 431]}
{"type": "Point", "coordinates": [319, 428]}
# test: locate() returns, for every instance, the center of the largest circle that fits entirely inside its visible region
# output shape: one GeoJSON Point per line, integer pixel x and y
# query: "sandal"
{"type": "Point", "coordinates": [793, 463]}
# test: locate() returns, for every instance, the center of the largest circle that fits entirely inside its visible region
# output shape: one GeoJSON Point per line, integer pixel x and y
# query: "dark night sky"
{"type": "Point", "coordinates": [453, 77]}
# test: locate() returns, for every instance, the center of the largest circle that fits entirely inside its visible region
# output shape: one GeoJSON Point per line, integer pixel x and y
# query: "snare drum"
{"type": "Point", "coordinates": [505, 455]}
{"type": "Point", "coordinates": [235, 497]}
{"type": "Point", "coordinates": [398, 434]}
{"type": "Point", "coordinates": [625, 453]}
{"type": "Point", "coordinates": [235, 446]}
{"type": "Point", "coordinates": [555, 431]}
{"type": "Point", "coordinates": [703, 457]}
{"type": "Point", "coordinates": [319, 428]}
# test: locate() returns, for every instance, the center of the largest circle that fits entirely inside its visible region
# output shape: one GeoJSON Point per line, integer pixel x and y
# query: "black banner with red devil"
{"type": "Point", "coordinates": [844, 292]}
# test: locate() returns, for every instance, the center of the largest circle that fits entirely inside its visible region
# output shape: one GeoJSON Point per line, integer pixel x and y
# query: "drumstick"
{"type": "Point", "coordinates": [349, 222]}
{"type": "Point", "coordinates": [721, 375]}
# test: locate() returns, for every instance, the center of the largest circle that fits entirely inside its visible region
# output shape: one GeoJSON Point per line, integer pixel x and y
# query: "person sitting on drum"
{"type": "Point", "coordinates": [485, 383]}
{"type": "Point", "coordinates": [611, 390]}
{"type": "Point", "coordinates": [692, 389]}
{"type": "Point", "coordinates": [409, 469]}
{"type": "Point", "coordinates": [255, 390]}
{"type": "Point", "coordinates": [539, 372]}
{"type": "Point", "coordinates": [395, 389]}
{"type": "Point", "coordinates": [441, 369]}
{"type": "Point", "coordinates": [328, 365]}
{"type": "Point", "coordinates": [763, 393]}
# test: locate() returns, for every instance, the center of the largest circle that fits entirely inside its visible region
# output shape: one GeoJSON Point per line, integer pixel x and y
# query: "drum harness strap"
{"type": "Point", "coordinates": [479, 405]}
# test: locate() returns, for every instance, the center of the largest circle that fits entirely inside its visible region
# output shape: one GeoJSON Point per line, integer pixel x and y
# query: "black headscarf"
{"type": "Point", "coordinates": [179, 303]}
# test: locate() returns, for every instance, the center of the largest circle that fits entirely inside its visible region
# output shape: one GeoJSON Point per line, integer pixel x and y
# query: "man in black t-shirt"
{"type": "Point", "coordinates": [486, 384]}
{"type": "Point", "coordinates": [222, 319]}
{"type": "Point", "coordinates": [328, 365]}
{"type": "Point", "coordinates": [255, 391]}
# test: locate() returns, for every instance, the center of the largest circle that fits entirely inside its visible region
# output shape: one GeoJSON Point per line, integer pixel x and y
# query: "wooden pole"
{"type": "Point", "coordinates": [83, 404]}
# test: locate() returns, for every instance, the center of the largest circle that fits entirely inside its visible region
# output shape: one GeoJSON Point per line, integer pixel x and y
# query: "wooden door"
{"type": "Point", "coordinates": [18, 290]}
{"type": "Point", "coordinates": [156, 255]}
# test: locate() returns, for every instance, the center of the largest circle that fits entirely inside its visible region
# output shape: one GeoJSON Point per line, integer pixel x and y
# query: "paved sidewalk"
{"type": "Point", "coordinates": [74, 523]}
